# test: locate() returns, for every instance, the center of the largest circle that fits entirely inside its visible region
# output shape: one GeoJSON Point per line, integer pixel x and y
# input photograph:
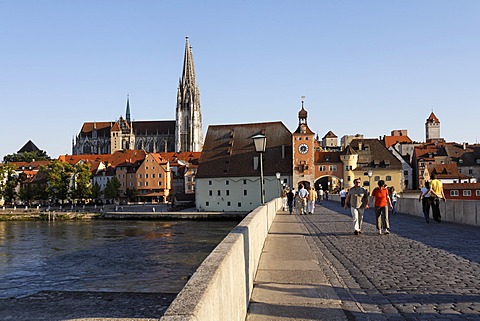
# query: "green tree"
{"type": "Point", "coordinates": [131, 193]}
{"type": "Point", "coordinates": [26, 157]}
{"type": "Point", "coordinates": [27, 193]}
{"type": "Point", "coordinates": [8, 182]}
{"type": "Point", "coordinates": [96, 191]}
{"type": "Point", "coordinates": [112, 188]}
{"type": "Point", "coordinates": [83, 187]}
{"type": "Point", "coordinates": [59, 180]}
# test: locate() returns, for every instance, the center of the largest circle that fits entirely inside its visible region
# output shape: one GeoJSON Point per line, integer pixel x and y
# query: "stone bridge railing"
{"type": "Point", "coordinates": [457, 211]}
{"type": "Point", "coordinates": [221, 287]}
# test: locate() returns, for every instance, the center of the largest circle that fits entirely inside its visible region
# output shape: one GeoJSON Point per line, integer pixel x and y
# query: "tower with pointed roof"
{"type": "Point", "coordinates": [432, 128]}
{"type": "Point", "coordinates": [127, 112]}
{"type": "Point", "coordinates": [349, 157]}
{"type": "Point", "coordinates": [303, 144]}
{"type": "Point", "coordinates": [188, 131]}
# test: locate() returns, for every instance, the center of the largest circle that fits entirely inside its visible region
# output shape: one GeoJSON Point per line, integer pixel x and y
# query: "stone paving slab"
{"type": "Point", "coordinates": [419, 272]}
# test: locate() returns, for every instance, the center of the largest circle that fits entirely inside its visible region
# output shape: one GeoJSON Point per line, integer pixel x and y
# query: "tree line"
{"type": "Point", "coordinates": [56, 183]}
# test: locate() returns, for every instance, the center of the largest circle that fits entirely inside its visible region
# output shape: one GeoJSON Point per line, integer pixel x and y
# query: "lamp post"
{"type": "Point", "coordinates": [370, 174]}
{"type": "Point", "coordinates": [277, 174]}
{"type": "Point", "coordinates": [260, 142]}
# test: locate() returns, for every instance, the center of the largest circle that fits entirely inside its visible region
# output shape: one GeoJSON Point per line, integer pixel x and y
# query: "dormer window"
{"type": "Point", "coordinates": [461, 161]}
{"type": "Point", "coordinates": [477, 161]}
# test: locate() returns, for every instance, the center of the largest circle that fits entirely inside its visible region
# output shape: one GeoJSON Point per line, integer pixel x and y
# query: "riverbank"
{"type": "Point", "coordinates": [45, 216]}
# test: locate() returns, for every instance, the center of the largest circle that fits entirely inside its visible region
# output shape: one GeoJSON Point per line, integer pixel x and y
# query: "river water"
{"type": "Point", "coordinates": [103, 255]}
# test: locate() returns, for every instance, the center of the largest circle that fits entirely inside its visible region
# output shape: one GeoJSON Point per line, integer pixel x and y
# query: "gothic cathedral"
{"type": "Point", "coordinates": [181, 135]}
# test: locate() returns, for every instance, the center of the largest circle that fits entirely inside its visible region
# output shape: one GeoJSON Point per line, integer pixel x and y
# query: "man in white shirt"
{"type": "Point", "coordinates": [303, 194]}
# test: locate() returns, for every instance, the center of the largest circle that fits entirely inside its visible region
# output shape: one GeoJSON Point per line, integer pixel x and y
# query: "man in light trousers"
{"type": "Point", "coordinates": [357, 198]}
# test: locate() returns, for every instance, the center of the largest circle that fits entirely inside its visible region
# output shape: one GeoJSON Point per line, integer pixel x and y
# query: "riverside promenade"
{"type": "Point", "coordinates": [314, 268]}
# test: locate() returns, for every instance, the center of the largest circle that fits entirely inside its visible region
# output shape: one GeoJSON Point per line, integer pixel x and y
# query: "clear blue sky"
{"type": "Point", "coordinates": [364, 66]}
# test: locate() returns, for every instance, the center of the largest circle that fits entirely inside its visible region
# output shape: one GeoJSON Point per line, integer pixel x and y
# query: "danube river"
{"type": "Point", "coordinates": [103, 255]}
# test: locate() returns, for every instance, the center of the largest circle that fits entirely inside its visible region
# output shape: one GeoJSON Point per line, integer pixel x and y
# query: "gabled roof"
{"type": "Point", "coordinates": [372, 153]}
{"type": "Point", "coordinates": [432, 118]}
{"type": "Point", "coordinates": [91, 158]}
{"type": "Point", "coordinates": [446, 171]}
{"type": "Point", "coordinates": [330, 134]}
{"type": "Point", "coordinates": [28, 147]}
{"type": "Point", "coordinates": [128, 155]}
{"type": "Point", "coordinates": [327, 157]}
{"type": "Point", "coordinates": [450, 186]}
{"type": "Point", "coordinates": [229, 151]}
{"type": "Point", "coordinates": [350, 151]}
{"type": "Point", "coordinates": [188, 157]}
{"type": "Point", "coordinates": [88, 127]}
{"type": "Point", "coordinates": [34, 165]}
{"type": "Point", "coordinates": [149, 127]}
{"type": "Point", "coordinates": [392, 140]}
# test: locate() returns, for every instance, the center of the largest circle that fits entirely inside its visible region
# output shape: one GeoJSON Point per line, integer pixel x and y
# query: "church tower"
{"type": "Point", "coordinates": [188, 131]}
{"type": "Point", "coordinates": [127, 112]}
{"type": "Point", "coordinates": [432, 128]}
{"type": "Point", "coordinates": [303, 152]}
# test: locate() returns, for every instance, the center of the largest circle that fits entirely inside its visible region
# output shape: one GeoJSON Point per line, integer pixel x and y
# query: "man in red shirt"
{"type": "Point", "coordinates": [382, 201]}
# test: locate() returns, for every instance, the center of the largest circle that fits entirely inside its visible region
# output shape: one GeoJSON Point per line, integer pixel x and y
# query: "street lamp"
{"type": "Point", "coordinates": [370, 174]}
{"type": "Point", "coordinates": [260, 142]}
{"type": "Point", "coordinates": [277, 174]}
{"type": "Point", "coordinates": [341, 183]}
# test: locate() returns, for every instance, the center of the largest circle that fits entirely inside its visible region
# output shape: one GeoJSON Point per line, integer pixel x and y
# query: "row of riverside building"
{"type": "Point", "coordinates": [225, 175]}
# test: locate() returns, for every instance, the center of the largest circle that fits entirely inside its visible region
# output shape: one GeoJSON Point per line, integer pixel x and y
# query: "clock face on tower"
{"type": "Point", "coordinates": [303, 148]}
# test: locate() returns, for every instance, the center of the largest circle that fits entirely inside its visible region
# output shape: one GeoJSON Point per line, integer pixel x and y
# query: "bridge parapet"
{"type": "Point", "coordinates": [221, 287]}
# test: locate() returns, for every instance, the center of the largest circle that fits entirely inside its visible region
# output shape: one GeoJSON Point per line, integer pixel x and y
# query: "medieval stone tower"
{"type": "Point", "coordinates": [432, 127]}
{"type": "Point", "coordinates": [188, 131]}
{"type": "Point", "coordinates": [303, 144]}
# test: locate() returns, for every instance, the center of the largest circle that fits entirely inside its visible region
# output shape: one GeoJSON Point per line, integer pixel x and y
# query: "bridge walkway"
{"type": "Point", "coordinates": [314, 268]}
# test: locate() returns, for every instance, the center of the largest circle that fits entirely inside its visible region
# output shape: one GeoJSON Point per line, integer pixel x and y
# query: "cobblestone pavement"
{"type": "Point", "coordinates": [418, 272]}
{"type": "Point", "coordinates": [62, 305]}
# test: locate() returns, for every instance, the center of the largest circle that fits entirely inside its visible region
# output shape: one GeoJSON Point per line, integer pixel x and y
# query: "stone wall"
{"type": "Point", "coordinates": [221, 287]}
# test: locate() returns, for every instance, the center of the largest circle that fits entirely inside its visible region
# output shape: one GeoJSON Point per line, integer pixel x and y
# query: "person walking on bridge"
{"type": "Point", "coordinates": [357, 197]}
{"type": "Point", "coordinates": [424, 197]}
{"type": "Point", "coordinates": [312, 198]}
{"type": "Point", "coordinates": [436, 193]}
{"type": "Point", "coordinates": [302, 195]}
{"type": "Point", "coordinates": [381, 200]}
{"type": "Point", "coordinates": [290, 200]}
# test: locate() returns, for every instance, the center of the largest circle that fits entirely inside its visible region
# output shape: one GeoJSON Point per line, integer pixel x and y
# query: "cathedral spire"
{"type": "Point", "coordinates": [127, 113]}
{"type": "Point", "coordinates": [188, 131]}
{"type": "Point", "coordinates": [188, 74]}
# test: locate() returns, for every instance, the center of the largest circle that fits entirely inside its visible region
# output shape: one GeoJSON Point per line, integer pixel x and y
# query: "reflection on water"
{"type": "Point", "coordinates": [99, 255]}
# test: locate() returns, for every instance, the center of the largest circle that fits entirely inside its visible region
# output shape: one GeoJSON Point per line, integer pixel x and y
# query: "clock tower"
{"type": "Point", "coordinates": [303, 152]}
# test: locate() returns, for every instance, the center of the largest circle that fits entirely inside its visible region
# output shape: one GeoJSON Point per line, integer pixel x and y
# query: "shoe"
{"type": "Point", "coordinates": [427, 220]}
{"type": "Point", "coordinates": [387, 231]}
{"type": "Point", "coordinates": [356, 232]}
{"type": "Point", "coordinates": [360, 232]}
{"type": "Point", "coordinates": [380, 232]}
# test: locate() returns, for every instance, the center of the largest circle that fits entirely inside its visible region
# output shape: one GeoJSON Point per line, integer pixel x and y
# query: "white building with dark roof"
{"type": "Point", "coordinates": [228, 175]}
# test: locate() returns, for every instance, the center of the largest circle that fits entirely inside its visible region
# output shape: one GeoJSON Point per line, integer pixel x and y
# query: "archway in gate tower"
{"type": "Point", "coordinates": [330, 183]}
{"type": "Point", "coordinates": [305, 184]}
